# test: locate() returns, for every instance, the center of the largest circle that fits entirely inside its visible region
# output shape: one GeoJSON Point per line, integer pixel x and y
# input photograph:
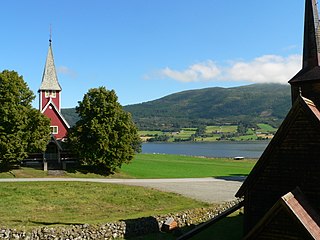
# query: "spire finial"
{"type": "Point", "coordinates": [50, 39]}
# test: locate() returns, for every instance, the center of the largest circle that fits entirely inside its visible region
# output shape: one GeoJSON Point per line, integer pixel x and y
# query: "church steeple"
{"type": "Point", "coordinates": [50, 88]}
{"type": "Point", "coordinates": [49, 78]}
{"type": "Point", "coordinates": [307, 80]}
{"type": "Point", "coordinates": [311, 46]}
{"type": "Point", "coordinates": [50, 97]}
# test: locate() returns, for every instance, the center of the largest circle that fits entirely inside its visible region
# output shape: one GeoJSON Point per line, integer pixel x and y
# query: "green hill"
{"type": "Point", "coordinates": [268, 103]}
{"type": "Point", "coordinates": [252, 104]}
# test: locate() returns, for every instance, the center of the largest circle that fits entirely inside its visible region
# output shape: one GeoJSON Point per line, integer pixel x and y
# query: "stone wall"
{"type": "Point", "coordinates": [119, 229]}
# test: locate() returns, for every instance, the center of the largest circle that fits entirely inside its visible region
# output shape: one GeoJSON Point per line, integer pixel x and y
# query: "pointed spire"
{"type": "Point", "coordinates": [49, 78]}
{"type": "Point", "coordinates": [311, 45]}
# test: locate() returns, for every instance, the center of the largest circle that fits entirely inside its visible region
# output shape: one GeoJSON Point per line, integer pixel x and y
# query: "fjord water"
{"type": "Point", "coordinates": [212, 149]}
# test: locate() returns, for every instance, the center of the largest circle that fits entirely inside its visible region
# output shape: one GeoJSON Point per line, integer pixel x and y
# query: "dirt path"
{"type": "Point", "coordinates": [209, 190]}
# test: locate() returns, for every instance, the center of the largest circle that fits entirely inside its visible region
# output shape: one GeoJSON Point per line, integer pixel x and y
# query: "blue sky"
{"type": "Point", "coordinates": [147, 49]}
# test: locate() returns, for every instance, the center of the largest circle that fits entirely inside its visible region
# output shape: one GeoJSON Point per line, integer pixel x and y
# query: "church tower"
{"type": "Point", "coordinates": [307, 80]}
{"type": "Point", "coordinates": [50, 97]}
{"type": "Point", "coordinates": [282, 192]}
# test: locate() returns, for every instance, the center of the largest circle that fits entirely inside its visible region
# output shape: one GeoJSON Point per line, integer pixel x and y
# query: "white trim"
{"type": "Point", "coordinates": [40, 102]}
{"type": "Point", "coordinates": [53, 128]}
{"type": "Point", "coordinates": [59, 101]}
{"type": "Point", "coordinates": [56, 109]}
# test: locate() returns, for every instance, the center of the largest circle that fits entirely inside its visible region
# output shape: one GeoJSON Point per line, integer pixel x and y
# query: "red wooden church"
{"type": "Point", "coordinates": [50, 98]}
{"type": "Point", "coordinates": [282, 192]}
{"type": "Point", "coordinates": [50, 106]}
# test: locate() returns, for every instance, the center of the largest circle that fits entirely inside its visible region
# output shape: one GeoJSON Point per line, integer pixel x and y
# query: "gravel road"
{"type": "Point", "coordinates": [211, 190]}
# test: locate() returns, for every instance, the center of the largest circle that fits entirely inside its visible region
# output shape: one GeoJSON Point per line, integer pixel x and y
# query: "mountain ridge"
{"type": "Point", "coordinates": [250, 104]}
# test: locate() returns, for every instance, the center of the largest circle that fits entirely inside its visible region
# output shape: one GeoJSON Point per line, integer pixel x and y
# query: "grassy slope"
{"type": "Point", "coordinates": [175, 166]}
{"type": "Point", "coordinates": [229, 228]}
{"type": "Point", "coordinates": [226, 229]}
{"type": "Point", "coordinates": [50, 203]}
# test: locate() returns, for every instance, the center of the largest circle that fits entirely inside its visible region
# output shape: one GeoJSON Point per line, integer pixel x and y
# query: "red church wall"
{"type": "Point", "coordinates": [44, 100]}
{"type": "Point", "coordinates": [56, 121]}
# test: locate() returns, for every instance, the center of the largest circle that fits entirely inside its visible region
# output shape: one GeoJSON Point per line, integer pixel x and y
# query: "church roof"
{"type": "Point", "coordinates": [298, 210]}
{"type": "Point", "coordinates": [49, 78]}
{"type": "Point", "coordinates": [311, 45]}
{"type": "Point", "coordinates": [313, 115]}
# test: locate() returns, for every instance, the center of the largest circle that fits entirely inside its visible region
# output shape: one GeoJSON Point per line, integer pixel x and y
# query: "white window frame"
{"type": "Point", "coordinates": [46, 93]}
{"type": "Point", "coordinates": [53, 94]}
{"type": "Point", "coordinates": [54, 129]}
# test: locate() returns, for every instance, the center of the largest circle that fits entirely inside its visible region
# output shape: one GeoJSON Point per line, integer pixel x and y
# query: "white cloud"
{"type": "Point", "coordinates": [196, 73]}
{"type": "Point", "coordinates": [66, 71]}
{"type": "Point", "coordinates": [264, 69]}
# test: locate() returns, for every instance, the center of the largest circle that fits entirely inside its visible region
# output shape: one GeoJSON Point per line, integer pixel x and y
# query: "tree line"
{"type": "Point", "coordinates": [103, 138]}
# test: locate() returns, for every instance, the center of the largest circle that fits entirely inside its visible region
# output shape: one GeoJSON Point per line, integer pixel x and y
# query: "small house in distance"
{"type": "Point", "coordinates": [273, 207]}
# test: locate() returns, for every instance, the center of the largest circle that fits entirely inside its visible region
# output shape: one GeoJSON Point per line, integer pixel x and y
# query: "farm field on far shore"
{"type": "Point", "coordinates": [214, 133]}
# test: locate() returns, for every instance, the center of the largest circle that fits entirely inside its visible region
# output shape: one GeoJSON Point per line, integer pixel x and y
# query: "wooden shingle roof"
{"type": "Point", "coordinates": [49, 78]}
{"type": "Point", "coordinates": [297, 209]}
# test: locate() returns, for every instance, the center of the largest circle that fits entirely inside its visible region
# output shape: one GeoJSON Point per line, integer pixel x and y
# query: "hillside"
{"type": "Point", "coordinates": [257, 103]}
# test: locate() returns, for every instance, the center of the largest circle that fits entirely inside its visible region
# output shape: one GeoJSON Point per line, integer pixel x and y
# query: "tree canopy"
{"type": "Point", "coordinates": [105, 137]}
{"type": "Point", "coordinates": [23, 129]}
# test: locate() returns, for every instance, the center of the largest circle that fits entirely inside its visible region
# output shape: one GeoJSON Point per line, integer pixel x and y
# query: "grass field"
{"type": "Point", "coordinates": [229, 228]}
{"type": "Point", "coordinates": [175, 166]}
{"type": "Point", "coordinates": [63, 203]}
{"type": "Point", "coordinates": [158, 166]}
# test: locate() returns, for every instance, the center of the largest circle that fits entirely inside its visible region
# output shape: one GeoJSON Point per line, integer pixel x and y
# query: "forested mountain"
{"type": "Point", "coordinates": [257, 103]}
{"type": "Point", "coordinates": [250, 104]}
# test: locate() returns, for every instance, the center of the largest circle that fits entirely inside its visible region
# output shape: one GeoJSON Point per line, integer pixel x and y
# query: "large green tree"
{"type": "Point", "coordinates": [105, 137]}
{"type": "Point", "coordinates": [23, 129]}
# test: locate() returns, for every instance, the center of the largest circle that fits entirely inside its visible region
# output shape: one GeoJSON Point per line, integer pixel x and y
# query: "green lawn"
{"type": "Point", "coordinates": [229, 228]}
{"type": "Point", "coordinates": [176, 166]}
{"type": "Point", "coordinates": [157, 166]}
{"type": "Point", "coordinates": [32, 204]}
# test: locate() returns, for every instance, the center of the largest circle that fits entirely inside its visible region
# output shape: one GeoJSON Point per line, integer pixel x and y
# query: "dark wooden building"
{"type": "Point", "coordinates": [292, 216]}
{"type": "Point", "coordinates": [292, 159]}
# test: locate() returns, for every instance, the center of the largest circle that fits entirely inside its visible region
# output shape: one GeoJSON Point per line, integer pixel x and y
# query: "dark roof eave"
{"type": "Point", "coordinates": [306, 75]}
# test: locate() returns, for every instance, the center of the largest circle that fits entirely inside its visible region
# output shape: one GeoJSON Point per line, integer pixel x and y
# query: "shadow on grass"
{"type": "Point", "coordinates": [141, 226]}
{"type": "Point", "coordinates": [89, 169]}
{"type": "Point", "coordinates": [8, 168]}
{"type": "Point", "coordinates": [48, 223]}
{"type": "Point", "coordinates": [229, 228]}
{"type": "Point", "coordinates": [234, 177]}
{"type": "Point", "coordinates": [226, 229]}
